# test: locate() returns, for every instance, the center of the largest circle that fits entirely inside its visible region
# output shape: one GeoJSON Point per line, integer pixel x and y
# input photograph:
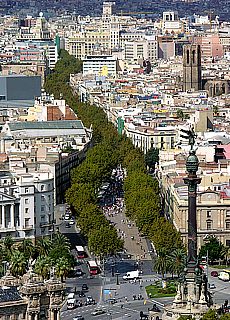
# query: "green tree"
{"type": "Point", "coordinates": [162, 262]}
{"type": "Point", "coordinates": [8, 243]}
{"type": "Point", "coordinates": [215, 110]}
{"type": "Point", "coordinates": [60, 241]}
{"type": "Point", "coordinates": [225, 316]}
{"type": "Point", "coordinates": [43, 246]}
{"type": "Point", "coordinates": [210, 315]}
{"type": "Point", "coordinates": [177, 261]}
{"type": "Point", "coordinates": [152, 157]}
{"type": "Point", "coordinates": [18, 263]}
{"type": "Point", "coordinates": [164, 235]}
{"type": "Point", "coordinates": [214, 248]}
{"type": "Point", "coordinates": [180, 114]}
{"type": "Point", "coordinates": [62, 267]}
{"type": "Point", "coordinates": [104, 241]}
{"type": "Point", "coordinates": [79, 195]}
{"type": "Point", "coordinates": [27, 248]}
{"type": "Point", "coordinates": [186, 318]}
{"type": "Point", "coordinates": [42, 267]}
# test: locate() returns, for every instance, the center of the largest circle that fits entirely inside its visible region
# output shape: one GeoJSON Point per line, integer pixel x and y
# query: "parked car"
{"type": "Point", "coordinates": [67, 225]}
{"type": "Point", "coordinates": [111, 300]}
{"type": "Point", "coordinates": [89, 301]}
{"type": "Point", "coordinates": [81, 294]}
{"type": "Point", "coordinates": [72, 221]}
{"type": "Point", "coordinates": [212, 286]}
{"type": "Point", "coordinates": [78, 272]}
{"type": "Point", "coordinates": [214, 274]}
{"type": "Point", "coordinates": [84, 287]}
{"type": "Point", "coordinates": [78, 318]}
{"type": "Point", "coordinates": [97, 312]}
{"type": "Point", "coordinates": [79, 304]}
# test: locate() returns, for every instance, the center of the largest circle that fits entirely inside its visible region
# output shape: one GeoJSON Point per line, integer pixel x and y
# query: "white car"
{"type": "Point", "coordinates": [72, 222]}
{"type": "Point", "coordinates": [212, 286]}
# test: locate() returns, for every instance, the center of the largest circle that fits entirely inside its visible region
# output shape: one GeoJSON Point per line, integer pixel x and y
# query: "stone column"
{"type": "Point", "coordinates": [58, 314]}
{"type": "Point", "coordinates": [51, 314]}
{"type": "Point", "coordinates": [12, 215]}
{"type": "Point", "coordinates": [3, 216]}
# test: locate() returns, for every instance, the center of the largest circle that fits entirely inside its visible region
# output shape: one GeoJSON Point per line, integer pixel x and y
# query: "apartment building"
{"type": "Point", "coordinates": [100, 65]}
{"type": "Point", "coordinates": [144, 137]}
{"type": "Point", "coordinates": [26, 204]}
{"type": "Point", "coordinates": [43, 146]}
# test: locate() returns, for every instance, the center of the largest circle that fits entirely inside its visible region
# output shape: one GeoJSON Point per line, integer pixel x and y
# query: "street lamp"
{"type": "Point", "coordinates": [117, 278]}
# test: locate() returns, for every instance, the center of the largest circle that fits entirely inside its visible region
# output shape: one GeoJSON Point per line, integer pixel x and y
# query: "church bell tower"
{"type": "Point", "coordinates": [192, 67]}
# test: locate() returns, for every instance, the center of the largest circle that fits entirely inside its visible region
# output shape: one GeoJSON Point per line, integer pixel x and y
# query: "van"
{"type": "Point", "coordinates": [224, 276]}
{"type": "Point", "coordinates": [71, 296]}
{"type": "Point", "coordinates": [71, 304]}
{"type": "Point", "coordinates": [132, 275]}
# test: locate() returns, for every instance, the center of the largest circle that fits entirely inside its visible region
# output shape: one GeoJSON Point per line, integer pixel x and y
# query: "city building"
{"type": "Point", "coordinates": [19, 90]}
{"type": "Point", "coordinates": [26, 203]}
{"type": "Point", "coordinates": [100, 65]}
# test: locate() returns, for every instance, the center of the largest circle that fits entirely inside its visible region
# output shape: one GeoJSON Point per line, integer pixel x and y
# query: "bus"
{"type": "Point", "coordinates": [93, 267]}
{"type": "Point", "coordinates": [81, 254]}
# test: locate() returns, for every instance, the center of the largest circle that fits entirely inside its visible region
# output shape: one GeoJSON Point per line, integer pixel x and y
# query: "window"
{"type": "Point", "coordinates": [49, 197]}
{"type": "Point", "coordinates": [42, 187]}
{"type": "Point", "coordinates": [228, 213]}
{"type": "Point", "coordinates": [209, 214]}
{"type": "Point", "coordinates": [26, 190]}
{"type": "Point", "coordinates": [227, 225]}
{"type": "Point", "coordinates": [27, 222]}
{"type": "Point", "coordinates": [42, 198]}
{"type": "Point", "coordinates": [26, 210]}
{"type": "Point", "coordinates": [42, 208]}
{"type": "Point", "coordinates": [26, 201]}
{"type": "Point", "coordinates": [209, 225]}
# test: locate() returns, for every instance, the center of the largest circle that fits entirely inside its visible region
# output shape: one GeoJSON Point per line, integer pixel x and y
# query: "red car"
{"type": "Point", "coordinates": [214, 274]}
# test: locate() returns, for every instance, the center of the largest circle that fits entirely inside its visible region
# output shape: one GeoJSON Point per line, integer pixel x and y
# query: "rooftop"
{"type": "Point", "coordinates": [51, 125]}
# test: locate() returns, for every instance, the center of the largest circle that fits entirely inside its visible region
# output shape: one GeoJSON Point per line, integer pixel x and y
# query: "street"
{"type": "Point", "coordinates": [110, 285]}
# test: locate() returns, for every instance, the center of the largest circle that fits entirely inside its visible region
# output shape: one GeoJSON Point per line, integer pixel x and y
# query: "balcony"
{"type": "Point", "coordinates": [28, 227]}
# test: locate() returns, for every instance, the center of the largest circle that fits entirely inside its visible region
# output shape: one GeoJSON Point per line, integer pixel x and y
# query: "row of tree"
{"type": "Point", "coordinates": [141, 191]}
{"type": "Point", "coordinates": [46, 253]}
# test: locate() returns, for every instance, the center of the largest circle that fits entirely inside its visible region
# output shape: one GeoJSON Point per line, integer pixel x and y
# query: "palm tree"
{"type": "Point", "coordinates": [62, 267]}
{"type": "Point", "coordinates": [225, 254]}
{"type": "Point", "coordinates": [43, 246]}
{"type": "Point", "coordinates": [27, 248]}
{"type": "Point", "coordinates": [61, 242]}
{"type": "Point", "coordinates": [178, 261]}
{"type": "Point", "coordinates": [8, 243]}
{"type": "Point", "coordinates": [42, 266]}
{"type": "Point", "coordinates": [162, 262]}
{"type": "Point", "coordinates": [18, 263]}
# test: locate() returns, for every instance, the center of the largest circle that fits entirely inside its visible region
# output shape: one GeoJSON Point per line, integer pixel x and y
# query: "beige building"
{"type": "Point", "coordinates": [144, 137]}
{"type": "Point", "coordinates": [213, 199]}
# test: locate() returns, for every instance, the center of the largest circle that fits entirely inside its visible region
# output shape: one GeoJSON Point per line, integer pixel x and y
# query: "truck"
{"type": "Point", "coordinates": [132, 275]}
{"type": "Point", "coordinates": [224, 276]}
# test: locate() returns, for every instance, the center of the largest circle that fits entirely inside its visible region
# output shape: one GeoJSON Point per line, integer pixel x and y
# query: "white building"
{"type": "Point", "coordinates": [26, 204]}
{"type": "Point", "coordinates": [100, 65]}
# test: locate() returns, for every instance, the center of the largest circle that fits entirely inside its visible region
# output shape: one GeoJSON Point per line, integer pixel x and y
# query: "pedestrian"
{"type": "Point", "coordinates": [126, 299]}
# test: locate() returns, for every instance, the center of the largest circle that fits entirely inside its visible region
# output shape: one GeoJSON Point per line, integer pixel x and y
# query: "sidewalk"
{"type": "Point", "coordinates": [134, 244]}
